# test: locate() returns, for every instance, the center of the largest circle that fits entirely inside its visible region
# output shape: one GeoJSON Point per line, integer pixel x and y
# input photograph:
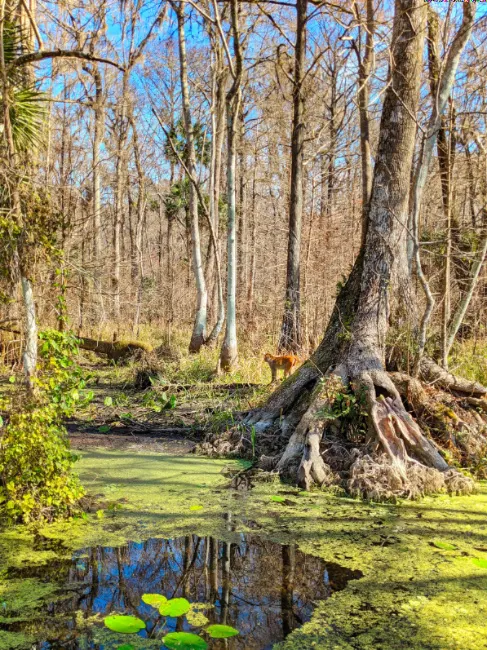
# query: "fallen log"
{"type": "Point", "coordinates": [116, 350]}
{"type": "Point", "coordinates": [432, 373]}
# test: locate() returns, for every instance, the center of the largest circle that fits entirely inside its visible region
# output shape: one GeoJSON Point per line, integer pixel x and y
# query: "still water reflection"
{"type": "Point", "coordinates": [263, 589]}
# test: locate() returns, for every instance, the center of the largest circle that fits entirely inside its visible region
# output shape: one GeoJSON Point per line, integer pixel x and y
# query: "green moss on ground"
{"type": "Point", "coordinates": [413, 595]}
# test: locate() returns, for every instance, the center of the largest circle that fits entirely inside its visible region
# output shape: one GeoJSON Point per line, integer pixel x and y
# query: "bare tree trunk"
{"type": "Point", "coordinates": [229, 351]}
{"type": "Point", "coordinates": [365, 70]}
{"type": "Point", "coordinates": [446, 158]}
{"type": "Point", "coordinates": [445, 161]}
{"type": "Point", "coordinates": [444, 86]}
{"type": "Point", "coordinates": [198, 336]}
{"type": "Point", "coordinates": [140, 216]}
{"type": "Point", "coordinates": [306, 268]}
{"type": "Point", "coordinates": [290, 338]}
{"type": "Point", "coordinates": [119, 192]}
{"type": "Point", "coordinates": [464, 303]}
{"type": "Point", "coordinates": [229, 354]}
{"type": "Point", "coordinates": [29, 356]}
{"type": "Point", "coordinates": [330, 168]}
{"type": "Point", "coordinates": [218, 134]}
{"type": "Point", "coordinates": [242, 209]}
{"type": "Point", "coordinates": [353, 347]}
{"type": "Point", "coordinates": [252, 263]}
{"type": "Point", "coordinates": [99, 109]}
{"type": "Point", "coordinates": [170, 257]}
{"type": "Point", "coordinates": [471, 185]}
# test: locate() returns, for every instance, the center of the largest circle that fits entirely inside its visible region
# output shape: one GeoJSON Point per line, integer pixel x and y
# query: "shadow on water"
{"type": "Point", "coordinates": [263, 589]}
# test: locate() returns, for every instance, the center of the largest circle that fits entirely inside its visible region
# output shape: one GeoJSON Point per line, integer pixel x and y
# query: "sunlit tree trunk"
{"type": "Point", "coordinates": [198, 336]}
{"type": "Point", "coordinates": [353, 347]}
{"type": "Point", "coordinates": [218, 133]}
{"type": "Point", "coordinates": [99, 131]}
{"type": "Point", "coordinates": [366, 63]}
{"type": "Point", "coordinates": [229, 351]}
{"type": "Point", "coordinates": [443, 86]}
{"type": "Point", "coordinates": [30, 351]}
{"type": "Point", "coordinates": [229, 354]}
{"type": "Point", "coordinates": [253, 234]}
{"type": "Point", "coordinates": [119, 194]}
{"type": "Point", "coordinates": [290, 337]}
{"type": "Point", "coordinates": [462, 307]}
{"type": "Point", "coordinates": [241, 209]}
{"type": "Point", "coordinates": [139, 225]}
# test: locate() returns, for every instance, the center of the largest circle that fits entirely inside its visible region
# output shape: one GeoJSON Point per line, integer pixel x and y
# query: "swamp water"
{"type": "Point", "coordinates": [263, 589]}
{"type": "Point", "coordinates": [424, 563]}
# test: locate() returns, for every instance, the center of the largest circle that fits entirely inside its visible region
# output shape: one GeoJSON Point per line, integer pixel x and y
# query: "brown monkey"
{"type": "Point", "coordinates": [285, 362]}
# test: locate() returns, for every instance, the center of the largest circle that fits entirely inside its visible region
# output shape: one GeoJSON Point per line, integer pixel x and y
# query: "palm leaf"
{"type": "Point", "coordinates": [28, 112]}
{"type": "Point", "coordinates": [13, 39]}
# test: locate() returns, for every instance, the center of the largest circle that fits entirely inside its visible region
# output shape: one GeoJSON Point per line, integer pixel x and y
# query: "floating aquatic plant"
{"type": "Point", "coordinates": [124, 624]}
{"type": "Point", "coordinates": [172, 608]}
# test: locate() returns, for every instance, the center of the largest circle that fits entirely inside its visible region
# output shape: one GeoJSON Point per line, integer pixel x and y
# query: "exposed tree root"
{"type": "Point", "coordinates": [377, 478]}
{"type": "Point", "coordinates": [406, 433]}
{"type": "Point", "coordinates": [432, 373]}
{"type": "Point", "coordinates": [400, 436]}
{"type": "Point", "coordinates": [457, 425]}
{"type": "Point", "coordinates": [313, 469]}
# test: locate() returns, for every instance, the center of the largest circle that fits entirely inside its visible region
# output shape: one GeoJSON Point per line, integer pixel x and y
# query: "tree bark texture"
{"type": "Point", "coordinates": [290, 338]}
{"type": "Point", "coordinates": [353, 347]}
{"type": "Point", "coordinates": [199, 328]}
{"type": "Point", "coordinates": [229, 351]}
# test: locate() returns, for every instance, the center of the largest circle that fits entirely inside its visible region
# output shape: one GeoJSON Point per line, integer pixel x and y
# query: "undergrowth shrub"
{"type": "Point", "coordinates": [36, 463]}
{"type": "Point", "coordinates": [469, 359]}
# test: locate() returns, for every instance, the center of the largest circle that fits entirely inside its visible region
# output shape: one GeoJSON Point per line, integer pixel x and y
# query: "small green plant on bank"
{"type": "Point", "coordinates": [159, 401]}
{"type": "Point", "coordinates": [345, 406]}
{"type": "Point", "coordinates": [37, 482]}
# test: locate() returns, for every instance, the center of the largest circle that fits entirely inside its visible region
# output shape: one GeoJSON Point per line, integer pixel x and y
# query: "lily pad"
{"type": "Point", "coordinates": [154, 600]}
{"type": "Point", "coordinates": [195, 617]}
{"type": "Point", "coordinates": [174, 607]}
{"type": "Point", "coordinates": [482, 564]}
{"type": "Point", "coordinates": [126, 646]}
{"type": "Point", "coordinates": [184, 641]}
{"type": "Point", "coordinates": [277, 498]}
{"type": "Point", "coordinates": [196, 507]}
{"type": "Point", "coordinates": [124, 624]}
{"type": "Point", "coordinates": [445, 546]}
{"type": "Point", "coordinates": [221, 631]}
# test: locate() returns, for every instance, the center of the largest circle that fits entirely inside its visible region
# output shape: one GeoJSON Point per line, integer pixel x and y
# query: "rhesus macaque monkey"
{"type": "Point", "coordinates": [285, 362]}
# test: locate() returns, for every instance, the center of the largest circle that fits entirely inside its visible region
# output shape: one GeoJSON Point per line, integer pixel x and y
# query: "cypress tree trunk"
{"type": "Point", "coordinates": [290, 338]}
{"type": "Point", "coordinates": [198, 336]}
{"type": "Point", "coordinates": [229, 351]}
{"type": "Point", "coordinates": [353, 349]}
{"type": "Point", "coordinates": [99, 109]}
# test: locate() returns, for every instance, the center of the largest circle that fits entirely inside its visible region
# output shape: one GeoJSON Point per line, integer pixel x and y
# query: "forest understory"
{"type": "Point", "coordinates": [195, 197]}
{"type": "Point", "coordinates": [172, 401]}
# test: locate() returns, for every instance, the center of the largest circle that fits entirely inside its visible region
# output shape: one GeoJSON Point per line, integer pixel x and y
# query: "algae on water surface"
{"type": "Point", "coordinates": [416, 592]}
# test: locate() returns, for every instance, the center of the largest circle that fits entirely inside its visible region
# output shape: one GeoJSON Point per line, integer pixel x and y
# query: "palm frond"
{"type": "Point", "coordinates": [28, 112]}
{"type": "Point", "coordinates": [13, 40]}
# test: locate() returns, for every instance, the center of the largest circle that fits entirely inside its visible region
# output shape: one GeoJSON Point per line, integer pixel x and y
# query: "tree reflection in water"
{"type": "Point", "coordinates": [263, 589]}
